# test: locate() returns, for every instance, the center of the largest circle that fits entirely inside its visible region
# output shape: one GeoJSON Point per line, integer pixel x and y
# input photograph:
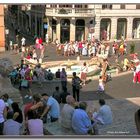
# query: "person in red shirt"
{"type": "Point", "coordinates": [27, 108]}
{"type": "Point", "coordinates": [80, 47]}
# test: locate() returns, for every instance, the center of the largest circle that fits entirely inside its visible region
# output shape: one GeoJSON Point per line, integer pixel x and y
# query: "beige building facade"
{"type": "Point", "coordinates": [104, 21]}
{"type": "Point", "coordinates": [69, 22]}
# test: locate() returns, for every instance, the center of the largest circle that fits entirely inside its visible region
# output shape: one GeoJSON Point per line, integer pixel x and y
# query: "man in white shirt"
{"type": "Point", "coordinates": [52, 107]}
{"type": "Point", "coordinates": [104, 116]}
{"type": "Point", "coordinates": [23, 40]}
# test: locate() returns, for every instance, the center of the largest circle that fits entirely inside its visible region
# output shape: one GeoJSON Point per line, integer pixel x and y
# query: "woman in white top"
{"type": "Point", "coordinates": [84, 50]}
{"type": "Point", "coordinates": [84, 70]}
{"type": "Point", "coordinates": [66, 47]}
{"type": "Point", "coordinates": [76, 47]}
{"type": "Point", "coordinates": [101, 85]}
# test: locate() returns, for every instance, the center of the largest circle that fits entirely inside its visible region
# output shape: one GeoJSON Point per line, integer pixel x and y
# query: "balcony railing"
{"type": "Point", "coordinates": [90, 11]}
{"type": "Point", "coordinates": [63, 11]}
{"type": "Point", "coordinates": [69, 12]}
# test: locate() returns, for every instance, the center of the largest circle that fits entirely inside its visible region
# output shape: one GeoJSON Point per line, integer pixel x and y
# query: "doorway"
{"type": "Point", "coordinates": [80, 30]}
{"type": "Point", "coordinates": [121, 28]}
{"type": "Point", "coordinates": [65, 30]}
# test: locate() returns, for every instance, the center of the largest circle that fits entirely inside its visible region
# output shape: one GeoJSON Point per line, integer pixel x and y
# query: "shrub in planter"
{"type": "Point", "coordinates": [132, 48]}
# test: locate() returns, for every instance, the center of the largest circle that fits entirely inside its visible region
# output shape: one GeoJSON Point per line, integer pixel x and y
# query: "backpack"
{"type": "Point", "coordinates": [77, 82]}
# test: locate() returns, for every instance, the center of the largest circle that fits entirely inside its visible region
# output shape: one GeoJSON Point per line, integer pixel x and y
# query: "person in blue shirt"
{"type": "Point", "coordinates": [52, 107]}
{"type": "Point", "coordinates": [104, 115]}
{"type": "Point", "coordinates": [81, 122]}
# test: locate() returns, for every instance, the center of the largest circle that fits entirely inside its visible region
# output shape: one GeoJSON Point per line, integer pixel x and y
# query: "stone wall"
{"type": "Point", "coordinates": [6, 87]}
{"type": "Point", "coordinates": [6, 66]}
{"type": "Point", "coordinates": [5, 83]}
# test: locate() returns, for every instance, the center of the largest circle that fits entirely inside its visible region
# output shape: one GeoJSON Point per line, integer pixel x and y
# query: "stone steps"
{"type": "Point", "coordinates": [123, 119]}
{"type": "Point", "coordinates": [123, 116]}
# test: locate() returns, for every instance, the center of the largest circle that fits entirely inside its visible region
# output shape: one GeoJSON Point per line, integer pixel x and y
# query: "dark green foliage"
{"type": "Point", "coordinates": [132, 48]}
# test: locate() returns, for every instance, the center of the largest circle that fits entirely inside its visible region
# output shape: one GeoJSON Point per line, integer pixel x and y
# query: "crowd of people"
{"type": "Point", "coordinates": [25, 75]}
{"type": "Point", "coordinates": [35, 52]}
{"type": "Point", "coordinates": [91, 48]}
{"type": "Point", "coordinates": [46, 109]}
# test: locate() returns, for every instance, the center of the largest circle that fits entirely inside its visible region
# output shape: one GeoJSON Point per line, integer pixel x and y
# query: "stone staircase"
{"type": "Point", "coordinates": [123, 116]}
{"type": "Point", "coordinates": [123, 119]}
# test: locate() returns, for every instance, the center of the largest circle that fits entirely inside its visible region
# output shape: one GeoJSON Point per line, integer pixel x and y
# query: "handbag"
{"type": "Point", "coordinates": [24, 83]}
{"type": "Point", "coordinates": [78, 83]}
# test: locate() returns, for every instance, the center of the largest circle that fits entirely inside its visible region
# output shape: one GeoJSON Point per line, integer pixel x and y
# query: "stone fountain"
{"type": "Point", "coordinates": [75, 66]}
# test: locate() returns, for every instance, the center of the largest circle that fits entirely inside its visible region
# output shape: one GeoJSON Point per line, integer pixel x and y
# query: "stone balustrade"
{"type": "Point", "coordinates": [60, 12]}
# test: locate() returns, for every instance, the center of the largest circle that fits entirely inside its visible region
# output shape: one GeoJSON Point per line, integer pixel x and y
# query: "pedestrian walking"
{"type": "Point", "coordinates": [23, 41]}
{"type": "Point", "coordinates": [11, 44]}
{"type": "Point", "coordinates": [80, 47]}
{"type": "Point", "coordinates": [76, 85]}
{"type": "Point", "coordinates": [101, 85]}
{"type": "Point", "coordinates": [63, 77]}
{"type": "Point", "coordinates": [84, 70]}
{"type": "Point", "coordinates": [42, 49]}
{"type": "Point", "coordinates": [121, 49]}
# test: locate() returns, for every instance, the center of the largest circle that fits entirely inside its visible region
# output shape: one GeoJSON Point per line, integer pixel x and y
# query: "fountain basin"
{"type": "Point", "coordinates": [92, 70]}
